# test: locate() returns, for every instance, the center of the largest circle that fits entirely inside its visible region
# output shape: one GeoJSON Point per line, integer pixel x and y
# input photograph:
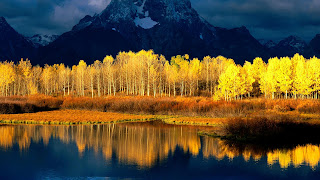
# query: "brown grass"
{"type": "Point", "coordinates": [31, 104]}
{"type": "Point", "coordinates": [201, 121]}
{"type": "Point", "coordinates": [71, 116]}
{"type": "Point", "coordinates": [195, 106]}
{"type": "Point", "coordinates": [185, 110]}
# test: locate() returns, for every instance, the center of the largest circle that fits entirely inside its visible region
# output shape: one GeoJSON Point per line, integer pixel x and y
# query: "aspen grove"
{"type": "Point", "coordinates": [147, 74]}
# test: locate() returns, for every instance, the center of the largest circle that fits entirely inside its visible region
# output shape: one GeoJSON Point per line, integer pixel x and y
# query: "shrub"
{"type": "Point", "coordinates": [266, 129]}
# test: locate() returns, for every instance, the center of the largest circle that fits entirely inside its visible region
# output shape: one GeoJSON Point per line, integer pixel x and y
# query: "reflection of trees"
{"type": "Point", "coordinates": [300, 155]}
{"type": "Point", "coordinates": [144, 144]}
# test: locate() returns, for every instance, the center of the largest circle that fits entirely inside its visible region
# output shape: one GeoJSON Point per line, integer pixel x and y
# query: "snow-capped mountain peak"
{"type": "Point", "coordinates": [169, 27]}
{"type": "Point", "coordinates": [270, 44]}
{"type": "Point", "coordinates": [267, 43]}
{"type": "Point", "coordinates": [145, 14]}
{"type": "Point", "coordinates": [39, 40]}
{"type": "Point", "coordinates": [294, 42]}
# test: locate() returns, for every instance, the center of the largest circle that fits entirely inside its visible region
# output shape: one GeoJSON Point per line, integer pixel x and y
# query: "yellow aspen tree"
{"type": "Point", "coordinates": [141, 68]}
{"type": "Point", "coordinates": [166, 72]}
{"type": "Point", "coordinates": [248, 77]}
{"type": "Point", "coordinates": [268, 82]}
{"type": "Point", "coordinates": [161, 66]}
{"type": "Point", "coordinates": [302, 83]}
{"type": "Point", "coordinates": [7, 75]}
{"type": "Point", "coordinates": [62, 78]}
{"type": "Point", "coordinates": [68, 75]}
{"type": "Point", "coordinates": [2, 80]}
{"type": "Point", "coordinates": [107, 73]}
{"type": "Point", "coordinates": [182, 65]}
{"type": "Point", "coordinates": [194, 75]}
{"type": "Point", "coordinates": [294, 62]}
{"type": "Point", "coordinates": [173, 76]}
{"type": "Point", "coordinates": [258, 67]}
{"type": "Point", "coordinates": [46, 79]}
{"type": "Point", "coordinates": [92, 74]}
{"type": "Point", "coordinates": [55, 78]}
{"type": "Point", "coordinates": [150, 60]}
{"type": "Point", "coordinates": [81, 70]}
{"type": "Point", "coordinates": [206, 69]}
{"type": "Point", "coordinates": [314, 71]}
{"type": "Point", "coordinates": [214, 74]}
{"type": "Point", "coordinates": [37, 72]}
{"type": "Point", "coordinates": [229, 82]}
{"type": "Point", "coordinates": [26, 68]}
{"type": "Point", "coordinates": [284, 76]}
{"type": "Point", "coordinates": [153, 76]}
{"type": "Point", "coordinates": [74, 80]}
{"type": "Point", "coordinates": [98, 67]}
{"type": "Point", "coordinates": [114, 74]}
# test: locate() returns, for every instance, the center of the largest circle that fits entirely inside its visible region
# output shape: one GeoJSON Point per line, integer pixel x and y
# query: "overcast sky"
{"type": "Point", "coordinates": [266, 19]}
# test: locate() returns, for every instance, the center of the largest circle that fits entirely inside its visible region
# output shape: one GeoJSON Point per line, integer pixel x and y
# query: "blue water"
{"type": "Point", "coordinates": [142, 151]}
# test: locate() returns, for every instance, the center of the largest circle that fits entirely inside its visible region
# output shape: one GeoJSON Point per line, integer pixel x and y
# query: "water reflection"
{"type": "Point", "coordinates": [145, 144]}
{"type": "Point", "coordinates": [297, 156]}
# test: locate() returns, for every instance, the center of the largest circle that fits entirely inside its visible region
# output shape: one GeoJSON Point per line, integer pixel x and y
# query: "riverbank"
{"type": "Point", "coordinates": [67, 117]}
{"type": "Point", "coordinates": [198, 111]}
{"type": "Point", "coordinates": [182, 106]}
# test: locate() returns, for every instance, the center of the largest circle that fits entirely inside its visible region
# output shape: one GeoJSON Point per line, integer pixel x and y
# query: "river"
{"type": "Point", "coordinates": [151, 150]}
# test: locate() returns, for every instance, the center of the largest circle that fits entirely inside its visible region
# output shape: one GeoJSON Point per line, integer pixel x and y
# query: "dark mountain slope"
{"type": "Point", "coordinates": [13, 46]}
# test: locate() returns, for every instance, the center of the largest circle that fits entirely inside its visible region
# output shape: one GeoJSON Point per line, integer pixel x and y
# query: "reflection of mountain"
{"type": "Point", "coordinates": [146, 144]}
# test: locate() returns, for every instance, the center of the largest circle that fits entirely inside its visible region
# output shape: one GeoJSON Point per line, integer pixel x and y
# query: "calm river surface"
{"type": "Point", "coordinates": [143, 150]}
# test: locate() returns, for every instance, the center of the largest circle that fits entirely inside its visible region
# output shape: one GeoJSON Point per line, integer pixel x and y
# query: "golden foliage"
{"type": "Point", "coordinates": [148, 74]}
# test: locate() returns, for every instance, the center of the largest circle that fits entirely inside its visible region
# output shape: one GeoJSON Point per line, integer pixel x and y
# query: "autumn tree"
{"type": "Point", "coordinates": [284, 76]}
{"type": "Point", "coordinates": [81, 69]}
{"type": "Point", "coordinates": [7, 75]}
{"type": "Point", "coordinates": [229, 82]}
{"type": "Point", "coordinates": [268, 81]}
{"type": "Point", "coordinates": [302, 81]}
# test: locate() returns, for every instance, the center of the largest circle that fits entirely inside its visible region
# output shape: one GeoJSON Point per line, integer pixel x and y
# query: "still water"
{"type": "Point", "coordinates": [143, 150]}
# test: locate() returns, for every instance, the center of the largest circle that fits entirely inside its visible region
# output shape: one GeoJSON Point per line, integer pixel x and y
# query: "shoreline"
{"type": "Point", "coordinates": [218, 127]}
{"type": "Point", "coordinates": [74, 117]}
{"type": "Point", "coordinates": [83, 117]}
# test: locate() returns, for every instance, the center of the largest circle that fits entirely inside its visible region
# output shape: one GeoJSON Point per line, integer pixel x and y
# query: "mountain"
{"type": "Point", "coordinates": [13, 46]}
{"type": "Point", "coordinates": [39, 40]}
{"type": "Point", "coordinates": [267, 43]}
{"type": "Point", "coordinates": [289, 46]}
{"type": "Point", "coordinates": [314, 47]}
{"type": "Point", "coordinates": [169, 27]}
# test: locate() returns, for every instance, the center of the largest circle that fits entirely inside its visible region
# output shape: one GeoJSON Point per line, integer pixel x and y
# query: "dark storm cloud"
{"type": "Point", "coordinates": [264, 18]}
{"type": "Point", "coordinates": [47, 16]}
{"type": "Point", "coordinates": [271, 19]}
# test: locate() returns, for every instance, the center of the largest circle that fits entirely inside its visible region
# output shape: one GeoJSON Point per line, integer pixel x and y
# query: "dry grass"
{"type": "Point", "coordinates": [31, 104]}
{"type": "Point", "coordinates": [181, 110]}
{"type": "Point", "coordinates": [200, 121]}
{"type": "Point", "coordinates": [186, 106]}
{"type": "Point", "coordinates": [72, 117]}
{"type": "Point", "coordinates": [193, 106]}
